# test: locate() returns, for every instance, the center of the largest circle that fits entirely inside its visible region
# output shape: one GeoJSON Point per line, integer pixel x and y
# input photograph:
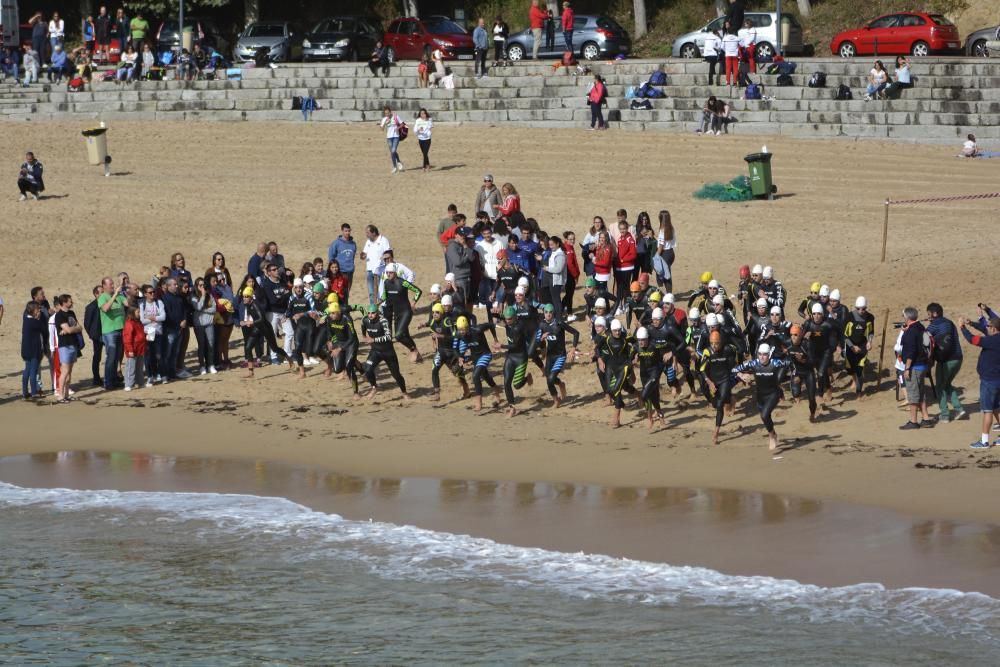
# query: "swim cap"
{"type": "Point", "coordinates": [861, 302]}
{"type": "Point", "coordinates": [447, 300]}
{"type": "Point", "coordinates": [449, 277]}
{"type": "Point", "coordinates": [668, 298]}
{"type": "Point", "coordinates": [756, 270]}
{"type": "Point", "coordinates": [768, 272]}
{"type": "Point", "coordinates": [390, 267]}
{"type": "Point", "coordinates": [764, 349]}
{"type": "Point", "coordinates": [601, 303]}
{"type": "Point", "coordinates": [372, 308]}
{"type": "Point", "coordinates": [824, 291]}
{"type": "Point", "coordinates": [693, 314]}
{"type": "Point", "coordinates": [435, 289]}
{"type": "Point", "coordinates": [775, 310]}
{"type": "Point", "coordinates": [744, 272]}
{"type": "Point", "coordinates": [247, 291]}
{"type": "Point", "coordinates": [644, 277]}
{"type": "Point", "coordinates": [549, 308]}
{"type": "Point", "coordinates": [814, 287]}
{"type": "Point", "coordinates": [318, 288]}
{"type": "Point", "coordinates": [635, 286]}
{"type": "Point", "coordinates": [641, 333]}
{"type": "Point", "coordinates": [333, 308]}
{"type": "Point", "coordinates": [835, 295]}
{"type": "Point", "coordinates": [711, 320]}
{"type": "Point", "coordinates": [715, 337]}
{"type": "Point", "coordinates": [718, 299]}
{"type": "Point", "coordinates": [796, 329]}
{"type": "Point", "coordinates": [705, 277]}
{"type": "Point", "coordinates": [520, 290]}
{"type": "Point", "coordinates": [600, 322]}
{"type": "Point", "coordinates": [308, 280]}
{"type": "Point", "coordinates": [332, 298]}
{"type": "Point", "coordinates": [509, 312]}
{"type": "Point", "coordinates": [591, 282]}
{"type": "Point", "coordinates": [655, 297]}
{"type": "Point", "coordinates": [713, 283]}
{"type": "Point", "coordinates": [297, 282]}
{"type": "Point", "coordinates": [462, 322]}
{"type": "Point", "coordinates": [437, 308]}
{"type": "Point", "coordinates": [817, 308]}
{"type": "Point", "coordinates": [616, 325]}
{"type": "Point", "coordinates": [761, 302]}
{"type": "Point", "coordinates": [657, 314]}
{"type": "Point", "coordinates": [522, 282]}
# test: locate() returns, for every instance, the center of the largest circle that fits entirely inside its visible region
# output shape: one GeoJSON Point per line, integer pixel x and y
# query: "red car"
{"type": "Point", "coordinates": [904, 33]}
{"type": "Point", "coordinates": [412, 38]}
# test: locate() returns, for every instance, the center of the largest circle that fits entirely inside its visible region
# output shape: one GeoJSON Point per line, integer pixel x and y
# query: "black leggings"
{"type": "Point", "coordinates": [482, 373]}
{"type": "Point", "coordinates": [445, 357]}
{"type": "Point", "coordinates": [622, 281]}
{"type": "Point", "coordinates": [515, 374]}
{"type": "Point", "coordinates": [766, 405]}
{"type": "Point", "coordinates": [823, 371]}
{"type": "Point", "coordinates": [375, 357]}
{"type": "Point", "coordinates": [303, 341]}
{"type": "Point", "coordinates": [401, 330]}
{"type": "Point", "coordinates": [425, 148]}
{"type": "Point", "coordinates": [856, 362]}
{"type": "Point", "coordinates": [554, 365]}
{"type": "Point", "coordinates": [713, 62]}
{"type": "Point", "coordinates": [346, 360]}
{"type": "Point", "coordinates": [567, 297]}
{"type": "Point", "coordinates": [723, 392]}
{"type": "Point", "coordinates": [650, 392]}
{"type": "Point", "coordinates": [618, 381]}
{"type": "Point", "coordinates": [254, 336]}
{"type": "Point", "coordinates": [95, 362]}
{"type": "Point", "coordinates": [498, 51]}
{"type": "Point", "coordinates": [807, 380]}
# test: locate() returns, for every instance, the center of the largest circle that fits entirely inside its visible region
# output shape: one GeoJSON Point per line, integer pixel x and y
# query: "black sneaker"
{"type": "Point", "coordinates": [928, 423]}
{"type": "Point", "coordinates": [908, 426]}
{"type": "Point", "coordinates": [979, 444]}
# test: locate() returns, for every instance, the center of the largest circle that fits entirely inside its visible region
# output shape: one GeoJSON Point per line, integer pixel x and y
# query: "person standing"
{"type": "Point", "coordinates": [916, 364]}
{"type": "Point", "coordinates": [711, 52]}
{"type": "Point", "coordinates": [748, 42]}
{"type": "Point", "coordinates": [372, 255]}
{"type": "Point", "coordinates": [572, 274]}
{"type": "Point", "coordinates": [988, 368]}
{"type": "Point", "coordinates": [500, 32]}
{"type": "Point", "coordinates": [32, 349]}
{"type": "Point", "coordinates": [92, 325]}
{"type": "Point", "coordinates": [947, 361]}
{"type": "Point", "coordinates": [480, 42]}
{"type": "Point", "coordinates": [666, 244]}
{"type": "Point", "coordinates": [29, 179]}
{"type": "Point", "coordinates": [68, 331]}
{"type": "Point", "coordinates": [550, 31]}
{"type": "Point", "coordinates": [458, 260]}
{"type": "Point", "coordinates": [391, 123]}
{"type": "Point", "coordinates": [555, 274]}
{"type": "Point", "coordinates": [488, 248]}
{"type": "Point", "coordinates": [135, 344]}
{"type": "Point", "coordinates": [89, 34]}
{"type": "Point", "coordinates": [596, 96]}
{"type": "Point", "coordinates": [102, 35]}
{"type": "Point", "coordinates": [731, 51]}
{"type": "Point", "coordinates": [567, 25]}
{"type": "Point", "coordinates": [121, 24]}
{"type": "Point", "coordinates": [57, 31]}
{"type": "Point", "coordinates": [536, 17]}
{"type": "Point", "coordinates": [111, 304]}
{"type": "Point", "coordinates": [858, 337]}
{"type": "Point", "coordinates": [488, 198]}
{"type": "Point", "coordinates": [343, 250]}
{"type": "Point", "coordinates": [138, 27]}
{"type": "Point", "coordinates": [423, 128]}
{"type": "Point", "coordinates": [39, 35]}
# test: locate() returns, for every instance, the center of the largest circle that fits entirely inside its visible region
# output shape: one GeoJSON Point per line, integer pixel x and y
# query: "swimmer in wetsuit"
{"type": "Point", "coordinates": [554, 338]}
{"type": "Point", "coordinates": [473, 349]}
{"type": "Point", "coordinates": [859, 332]}
{"type": "Point", "coordinates": [395, 297]}
{"type": "Point", "coordinates": [342, 348]}
{"type": "Point", "coordinates": [800, 353]}
{"type": "Point", "coordinates": [823, 336]}
{"type": "Point", "coordinates": [442, 328]}
{"type": "Point", "coordinates": [717, 364]}
{"type": "Point", "coordinates": [377, 333]}
{"type": "Point", "coordinates": [256, 328]}
{"type": "Point", "coordinates": [521, 341]}
{"type": "Point", "coordinates": [764, 371]}
{"type": "Point", "coordinates": [651, 362]}
{"type": "Point", "coordinates": [615, 360]}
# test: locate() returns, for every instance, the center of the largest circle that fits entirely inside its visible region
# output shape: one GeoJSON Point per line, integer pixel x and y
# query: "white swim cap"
{"type": "Point", "coordinates": [693, 314]}
{"type": "Point", "coordinates": [764, 349]}
{"type": "Point", "coordinates": [824, 290]}
{"type": "Point", "coordinates": [600, 322]}
{"type": "Point", "coordinates": [718, 299]}
{"type": "Point", "coordinates": [762, 302]}
{"type": "Point", "coordinates": [756, 270]}
{"type": "Point", "coordinates": [861, 302]}
{"type": "Point", "coordinates": [712, 320]}
{"type": "Point", "coordinates": [616, 325]}
{"type": "Point", "coordinates": [835, 295]}
{"type": "Point", "coordinates": [657, 314]}
{"type": "Point", "coordinates": [668, 298]}
{"type": "Point", "coordinates": [768, 272]}
{"type": "Point", "coordinates": [601, 303]}
{"type": "Point", "coordinates": [641, 333]}
{"type": "Point", "coordinates": [713, 283]}
{"type": "Point", "coordinates": [522, 282]}
{"type": "Point", "coordinates": [775, 310]}
{"type": "Point", "coordinates": [435, 289]}
{"type": "Point", "coordinates": [449, 277]}
{"type": "Point", "coordinates": [390, 267]}
{"type": "Point", "coordinates": [446, 300]}
{"type": "Point", "coordinates": [817, 308]}
{"type": "Point", "coordinates": [520, 290]}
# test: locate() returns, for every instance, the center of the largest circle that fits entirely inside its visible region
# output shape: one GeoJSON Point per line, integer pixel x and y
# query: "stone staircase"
{"type": "Point", "coordinates": [951, 97]}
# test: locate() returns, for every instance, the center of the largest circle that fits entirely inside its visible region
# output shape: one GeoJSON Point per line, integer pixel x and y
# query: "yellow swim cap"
{"type": "Point", "coordinates": [333, 308]}
{"type": "Point", "coordinates": [655, 296]}
{"type": "Point", "coordinates": [707, 276]}
{"type": "Point", "coordinates": [462, 322]}
{"type": "Point", "coordinates": [437, 308]}
{"type": "Point", "coordinates": [814, 287]}
{"type": "Point", "coordinates": [332, 298]}
{"type": "Point", "coordinates": [247, 291]}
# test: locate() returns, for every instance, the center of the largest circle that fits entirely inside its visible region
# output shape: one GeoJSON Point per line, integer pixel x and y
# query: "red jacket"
{"type": "Point", "coordinates": [536, 15]}
{"type": "Point", "coordinates": [626, 252]}
{"type": "Point", "coordinates": [596, 93]}
{"type": "Point", "coordinates": [511, 204]}
{"type": "Point", "coordinates": [603, 258]}
{"type": "Point", "coordinates": [134, 338]}
{"type": "Point", "coordinates": [567, 19]}
{"type": "Point", "coordinates": [338, 285]}
{"type": "Point", "coordinates": [448, 235]}
{"type": "Point", "coordinates": [572, 268]}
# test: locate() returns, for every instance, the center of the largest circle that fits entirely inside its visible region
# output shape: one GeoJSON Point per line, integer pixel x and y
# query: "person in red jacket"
{"type": "Point", "coordinates": [572, 274]}
{"type": "Point", "coordinates": [624, 262]}
{"type": "Point", "coordinates": [134, 340]}
{"type": "Point", "coordinates": [511, 200]}
{"type": "Point", "coordinates": [603, 257]}
{"type": "Point", "coordinates": [536, 17]}
{"type": "Point", "coordinates": [567, 26]}
{"type": "Point", "coordinates": [595, 97]}
{"type": "Point", "coordinates": [337, 280]}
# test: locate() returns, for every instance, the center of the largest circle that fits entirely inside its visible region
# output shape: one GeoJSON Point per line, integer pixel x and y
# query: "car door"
{"type": "Point", "coordinates": [410, 46]}
{"type": "Point", "coordinates": [714, 26]}
{"type": "Point", "coordinates": [878, 35]}
{"type": "Point", "coordinates": [912, 28]}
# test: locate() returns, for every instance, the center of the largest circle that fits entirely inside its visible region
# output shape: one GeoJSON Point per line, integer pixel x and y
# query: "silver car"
{"type": "Point", "coordinates": [975, 43]}
{"type": "Point", "coordinates": [766, 25]}
{"type": "Point", "coordinates": [594, 36]}
{"type": "Point", "coordinates": [282, 39]}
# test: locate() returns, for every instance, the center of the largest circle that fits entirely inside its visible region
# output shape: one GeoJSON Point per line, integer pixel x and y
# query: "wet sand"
{"type": "Point", "coordinates": [812, 541]}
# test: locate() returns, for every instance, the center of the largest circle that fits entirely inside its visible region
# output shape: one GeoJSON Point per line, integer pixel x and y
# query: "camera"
{"type": "Point", "coordinates": [898, 325]}
{"type": "Point", "coordinates": [984, 306]}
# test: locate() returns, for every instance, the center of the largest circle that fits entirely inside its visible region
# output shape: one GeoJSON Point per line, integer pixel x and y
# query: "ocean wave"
{"type": "Point", "coordinates": [407, 552]}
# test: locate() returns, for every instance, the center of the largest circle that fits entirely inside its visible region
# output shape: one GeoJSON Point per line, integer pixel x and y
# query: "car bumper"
{"type": "Point", "coordinates": [459, 53]}
{"type": "Point", "coordinates": [327, 53]}
{"type": "Point", "coordinates": [612, 47]}
{"type": "Point", "coordinates": [245, 55]}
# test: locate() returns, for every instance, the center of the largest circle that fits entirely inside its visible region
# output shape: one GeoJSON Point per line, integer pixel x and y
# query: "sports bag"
{"type": "Point", "coordinates": [754, 91]}
{"type": "Point", "coordinates": [75, 85]}
{"type": "Point", "coordinates": [648, 91]}
{"type": "Point", "coordinates": [843, 93]}
{"type": "Point", "coordinates": [658, 78]}
{"type": "Point", "coordinates": [784, 80]}
{"type": "Point", "coordinates": [637, 105]}
{"type": "Point", "coordinates": [817, 80]}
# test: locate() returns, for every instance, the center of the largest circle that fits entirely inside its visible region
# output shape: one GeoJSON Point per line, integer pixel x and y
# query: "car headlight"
{"type": "Point", "coordinates": [342, 42]}
{"type": "Point", "coordinates": [443, 44]}
{"type": "Point", "coordinates": [306, 43]}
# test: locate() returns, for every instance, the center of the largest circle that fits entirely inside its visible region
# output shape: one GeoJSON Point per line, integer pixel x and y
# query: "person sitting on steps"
{"type": "Point", "coordinates": [379, 59]}
{"type": "Point", "coordinates": [878, 78]}
{"type": "Point", "coordinates": [714, 117]}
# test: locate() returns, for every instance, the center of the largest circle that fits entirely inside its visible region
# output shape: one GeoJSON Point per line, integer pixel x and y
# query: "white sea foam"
{"type": "Point", "coordinates": [394, 551]}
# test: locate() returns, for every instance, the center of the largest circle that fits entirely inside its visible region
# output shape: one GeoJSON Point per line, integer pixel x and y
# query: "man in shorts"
{"type": "Point", "coordinates": [917, 363]}
{"type": "Point", "coordinates": [988, 368]}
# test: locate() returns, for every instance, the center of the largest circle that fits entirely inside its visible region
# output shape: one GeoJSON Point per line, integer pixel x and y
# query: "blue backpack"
{"type": "Point", "coordinates": [648, 91]}
{"type": "Point", "coordinates": [754, 91]}
{"type": "Point", "coordinates": [658, 78]}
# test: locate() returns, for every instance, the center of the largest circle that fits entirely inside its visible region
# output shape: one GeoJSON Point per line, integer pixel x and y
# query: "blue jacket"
{"type": "Point", "coordinates": [175, 310]}
{"type": "Point", "coordinates": [913, 345]}
{"type": "Point", "coordinates": [942, 326]}
{"type": "Point", "coordinates": [988, 365]}
{"type": "Point", "coordinates": [32, 337]}
{"type": "Point", "coordinates": [479, 38]}
{"type": "Point", "coordinates": [520, 258]}
{"type": "Point", "coordinates": [344, 252]}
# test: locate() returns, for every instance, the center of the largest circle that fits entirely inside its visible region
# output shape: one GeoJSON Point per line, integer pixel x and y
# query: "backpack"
{"type": "Point", "coordinates": [648, 91]}
{"type": "Point", "coordinates": [658, 78]}
{"type": "Point", "coordinates": [404, 130]}
{"type": "Point", "coordinates": [784, 80]}
{"type": "Point", "coordinates": [75, 85]}
{"type": "Point", "coordinates": [843, 93]}
{"type": "Point", "coordinates": [644, 105]}
{"type": "Point", "coordinates": [942, 344]}
{"type": "Point", "coordinates": [754, 91]}
{"type": "Point", "coordinates": [817, 80]}
{"type": "Point", "coordinates": [296, 103]}
{"type": "Point", "coordinates": [567, 59]}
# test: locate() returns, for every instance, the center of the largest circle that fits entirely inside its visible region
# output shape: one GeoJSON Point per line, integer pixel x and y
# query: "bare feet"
{"type": "Point", "coordinates": [562, 390]}
{"type": "Point", "coordinates": [371, 393]}
{"type": "Point", "coordinates": [529, 380]}
{"type": "Point", "coordinates": [510, 411]}
{"type": "Point", "coordinates": [436, 395]}
{"type": "Point", "coordinates": [415, 356]}
{"type": "Point", "coordinates": [477, 404]}
{"type": "Point", "coordinates": [556, 401]}
{"type": "Point", "coordinates": [772, 441]}
{"type": "Point", "coordinates": [715, 436]}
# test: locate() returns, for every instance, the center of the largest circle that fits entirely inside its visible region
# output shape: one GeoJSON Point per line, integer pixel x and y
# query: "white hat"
{"type": "Point", "coordinates": [297, 282]}
{"type": "Point", "coordinates": [693, 314]}
{"type": "Point", "coordinates": [817, 308]}
{"type": "Point", "coordinates": [861, 302]}
{"type": "Point", "coordinates": [764, 349]}
{"type": "Point", "coordinates": [668, 298]}
{"type": "Point", "coordinates": [616, 325]}
{"type": "Point", "coordinates": [601, 303]}
{"type": "Point", "coordinates": [824, 290]}
{"type": "Point", "coordinates": [711, 320]}
{"type": "Point", "coordinates": [449, 277]}
{"type": "Point", "coordinates": [446, 300]}
{"type": "Point", "coordinates": [600, 322]}
{"type": "Point", "coordinates": [768, 272]}
{"type": "Point", "coordinates": [835, 295]}
{"type": "Point", "coordinates": [713, 283]}
{"type": "Point", "coordinates": [390, 267]}
{"type": "Point", "coordinates": [308, 280]}
{"type": "Point", "coordinates": [761, 302]}
{"type": "Point", "coordinates": [435, 289]}
{"type": "Point", "coordinates": [657, 314]}
{"type": "Point", "coordinates": [756, 270]}
{"type": "Point", "coordinates": [641, 333]}
{"type": "Point", "coordinates": [718, 299]}
{"type": "Point", "coordinates": [776, 310]}
{"type": "Point", "coordinates": [520, 290]}
{"type": "Point", "coordinates": [522, 282]}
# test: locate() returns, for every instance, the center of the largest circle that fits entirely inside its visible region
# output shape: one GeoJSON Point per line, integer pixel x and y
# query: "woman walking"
{"type": "Point", "coordinates": [391, 123]}
{"type": "Point", "coordinates": [596, 96]}
{"type": "Point", "coordinates": [666, 242]}
{"type": "Point", "coordinates": [423, 128]}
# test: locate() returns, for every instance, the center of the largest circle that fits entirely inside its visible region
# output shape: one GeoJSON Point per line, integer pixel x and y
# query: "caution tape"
{"type": "Point", "coordinates": [936, 200]}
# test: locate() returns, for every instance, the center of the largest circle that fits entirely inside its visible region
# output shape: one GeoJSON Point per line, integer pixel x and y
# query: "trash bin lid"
{"type": "Point", "coordinates": [94, 131]}
{"type": "Point", "coordinates": [758, 157]}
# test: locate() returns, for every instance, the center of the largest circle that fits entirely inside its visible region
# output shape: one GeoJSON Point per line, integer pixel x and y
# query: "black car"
{"type": "Point", "coordinates": [203, 29]}
{"type": "Point", "coordinates": [342, 38]}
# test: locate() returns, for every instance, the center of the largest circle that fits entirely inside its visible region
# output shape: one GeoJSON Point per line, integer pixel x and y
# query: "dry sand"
{"type": "Point", "coordinates": [197, 188]}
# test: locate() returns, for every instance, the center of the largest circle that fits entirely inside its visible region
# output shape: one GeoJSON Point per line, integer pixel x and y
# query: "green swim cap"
{"type": "Point", "coordinates": [549, 308]}
{"type": "Point", "coordinates": [372, 308]}
{"type": "Point", "coordinates": [509, 312]}
{"type": "Point", "coordinates": [318, 288]}
{"type": "Point", "coordinates": [591, 282]}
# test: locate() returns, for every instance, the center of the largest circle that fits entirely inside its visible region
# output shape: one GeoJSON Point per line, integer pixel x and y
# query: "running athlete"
{"type": "Point", "coordinates": [378, 334]}
{"type": "Point", "coordinates": [255, 328]}
{"type": "Point", "coordinates": [507, 277]}
{"type": "Point", "coordinates": [764, 372]}
{"type": "Point", "coordinates": [717, 364]}
{"type": "Point", "coordinates": [708, 289]}
{"type": "Point", "coordinates": [521, 341]}
{"type": "Point", "coordinates": [800, 353]}
{"type": "Point", "coordinates": [859, 332]}
{"type": "Point", "coordinates": [635, 306]}
{"type": "Point", "coordinates": [598, 336]}
{"type": "Point", "coordinates": [758, 324]}
{"type": "Point", "coordinates": [823, 336]}
{"type": "Point", "coordinates": [553, 333]}
{"type": "Point", "coordinates": [650, 362]}
{"type": "Point", "coordinates": [300, 305]}
{"type": "Point", "coordinates": [745, 293]}
{"type": "Point", "coordinates": [470, 343]}
{"type": "Point", "coordinates": [771, 289]}
{"type": "Point", "coordinates": [615, 361]}
{"type": "Point", "coordinates": [528, 315]}
{"type": "Point", "coordinates": [666, 340]}
{"type": "Point", "coordinates": [595, 293]}
{"type": "Point", "coordinates": [442, 333]}
{"type": "Point", "coordinates": [805, 306]}
{"type": "Point", "coordinates": [837, 313]}
{"type": "Point", "coordinates": [705, 303]}
{"type": "Point", "coordinates": [342, 347]}
{"type": "Point", "coordinates": [396, 299]}
{"type": "Point", "coordinates": [775, 333]}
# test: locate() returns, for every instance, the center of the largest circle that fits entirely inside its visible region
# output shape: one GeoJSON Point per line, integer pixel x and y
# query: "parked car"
{"type": "Point", "coordinates": [342, 38]}
{"type": "Point", "coordinates": [412, 38]}
{"type": "Point", "coordinates": [205, 32]}
{"type": "Point", "coordinates": [594, 36]}
{"type": "Point", "coordinates": [282, 39]}
{"type": "Point", "coordinates": [975, 43]}
{"type": "Point", "coordinates": [692, 44]}
{"type": "Point", "coordinates": [914, 33]}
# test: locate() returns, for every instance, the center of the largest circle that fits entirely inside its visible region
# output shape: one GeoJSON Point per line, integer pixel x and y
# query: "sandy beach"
{"type": "Point", "coordinates": [197, 188]}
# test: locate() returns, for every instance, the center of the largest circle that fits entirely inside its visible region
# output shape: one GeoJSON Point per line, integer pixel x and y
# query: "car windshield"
{"type": "Point", "coordinates": [334, 25]}
{"type": "Point", "coordinates": [266, 30]}
{"type": "Point", "coordinates": [444, 27]}
{"type": "Point", "coordinates": [171, 25]}
{"type": "Point", "coordinates": [940, 20]}
{"type": "Point", "coordinates": [608, 24]}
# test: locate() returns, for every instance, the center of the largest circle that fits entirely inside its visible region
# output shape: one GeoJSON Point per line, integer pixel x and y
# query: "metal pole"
{"type": "Point", "coordinates": [777, 50]}
{"type": "Point", "coordinates": [180, 30]}
{"type": "Point", "coordinates": [885, 229]}
{"type": "Point", "coordinates": [881, 349]}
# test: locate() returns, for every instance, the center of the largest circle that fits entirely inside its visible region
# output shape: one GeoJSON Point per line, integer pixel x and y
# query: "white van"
{"type": "Point", "coordinates": [9, 23]}
{"type": "Point", "coordinates": [766, 25]}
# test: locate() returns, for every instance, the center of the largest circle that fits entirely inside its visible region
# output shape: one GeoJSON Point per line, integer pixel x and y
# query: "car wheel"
{"type": "Point", "coordinates": [763, 51]}
{"type": "Point", "coordinates": [979, 49]}
{"type": "Point", "coordinates": [590, 51]}
{"type": "Point", "coordinates": [847, 50]}
{"type": "Point", "coordinates": [515, 53]}
{"type": "Point", "coordinates": [920, 49]}
{"type": "Point", "coordinates": [689, 50]}
{"type": "Point", "coordinates": [391, 54]}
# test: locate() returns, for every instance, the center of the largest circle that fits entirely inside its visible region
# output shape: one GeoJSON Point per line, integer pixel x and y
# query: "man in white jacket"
{"type": "Point", "coordinates": [487, 249]}
{"type": "Point", "coordinates": [555, 273]}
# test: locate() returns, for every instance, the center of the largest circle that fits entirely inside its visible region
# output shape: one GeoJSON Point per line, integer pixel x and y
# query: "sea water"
{"type": "Point", "coordinates": [110, 577]}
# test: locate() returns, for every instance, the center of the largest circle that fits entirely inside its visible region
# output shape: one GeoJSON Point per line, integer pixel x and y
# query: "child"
{"type": "Point", "coordinates": [185, 66]}
{"type": "Point", "coordinates": [134, 340]}
{"type": "Point", "coordinates": [969, 147]}
{"type": "Point", "coordinates": [423, 71]}
{"type": "Point", "coordinates": [32, 337]}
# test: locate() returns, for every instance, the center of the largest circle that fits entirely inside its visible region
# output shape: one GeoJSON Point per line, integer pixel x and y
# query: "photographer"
{"type": "Point", "coordinates": [111, 304]}
{"type": "Point", "coordinates": [29, 179]}
{"type": "Point", "coordinates": [947, 359]}
{"type": "Point", "coordinates": [916, 364]}
{"type": "Point", "coordinates": [988, 368]}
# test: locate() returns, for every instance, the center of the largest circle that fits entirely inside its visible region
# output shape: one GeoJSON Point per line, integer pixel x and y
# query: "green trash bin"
{"type": "Point", "coordinates": [761, 184]}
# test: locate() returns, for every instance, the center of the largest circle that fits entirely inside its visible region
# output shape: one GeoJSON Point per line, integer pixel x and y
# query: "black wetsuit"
{"type": "Point", "coordinates": [805, 306]}
{"type": "Point", "coordinates": [650, 368]}
{"type": "Point", "coordinates": [775, 295]}
{"type": "Point", "coordinates": [260, 331]}
{"type": "Point", "coordinates": [554, 338]}
{"type": "Point", "coordinates": [445, 353]}
{"type": "Point", "coordinates": [718, 367]}
{"type": "Point", "coordinates": [767, 386]}
{"type": "Point", "coordinates": [599, 293]}
{"type": "Point", "coordinates": [528, 315]}
{"type": "Point", "coordinates": [397, 308]}
{"type": "Point", "coordinates": [639, 310]}
{"type": "Point", "coordinates": [823, 339]}
{"type": "Point", "coordinates": [618, 354]}
{"type": "Point", "coordinates": [343, 346]}
{"type": "Point", "coordinates": [382, 350]}
{"type": "Point", "coordinates": [746, 293]}
{"type": "Point", "coordinates": [521, 342]}
{"type": "Point", "coordinates": [858, 331]}
{"type": "Point", "coordinates": [507, 279]}
{"type": "Point", "coordinates": [472, 346]}
{"type": "Point", "coordinates": [803, 372]}
{"type": "Point", "coordinates": [303, 326]}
